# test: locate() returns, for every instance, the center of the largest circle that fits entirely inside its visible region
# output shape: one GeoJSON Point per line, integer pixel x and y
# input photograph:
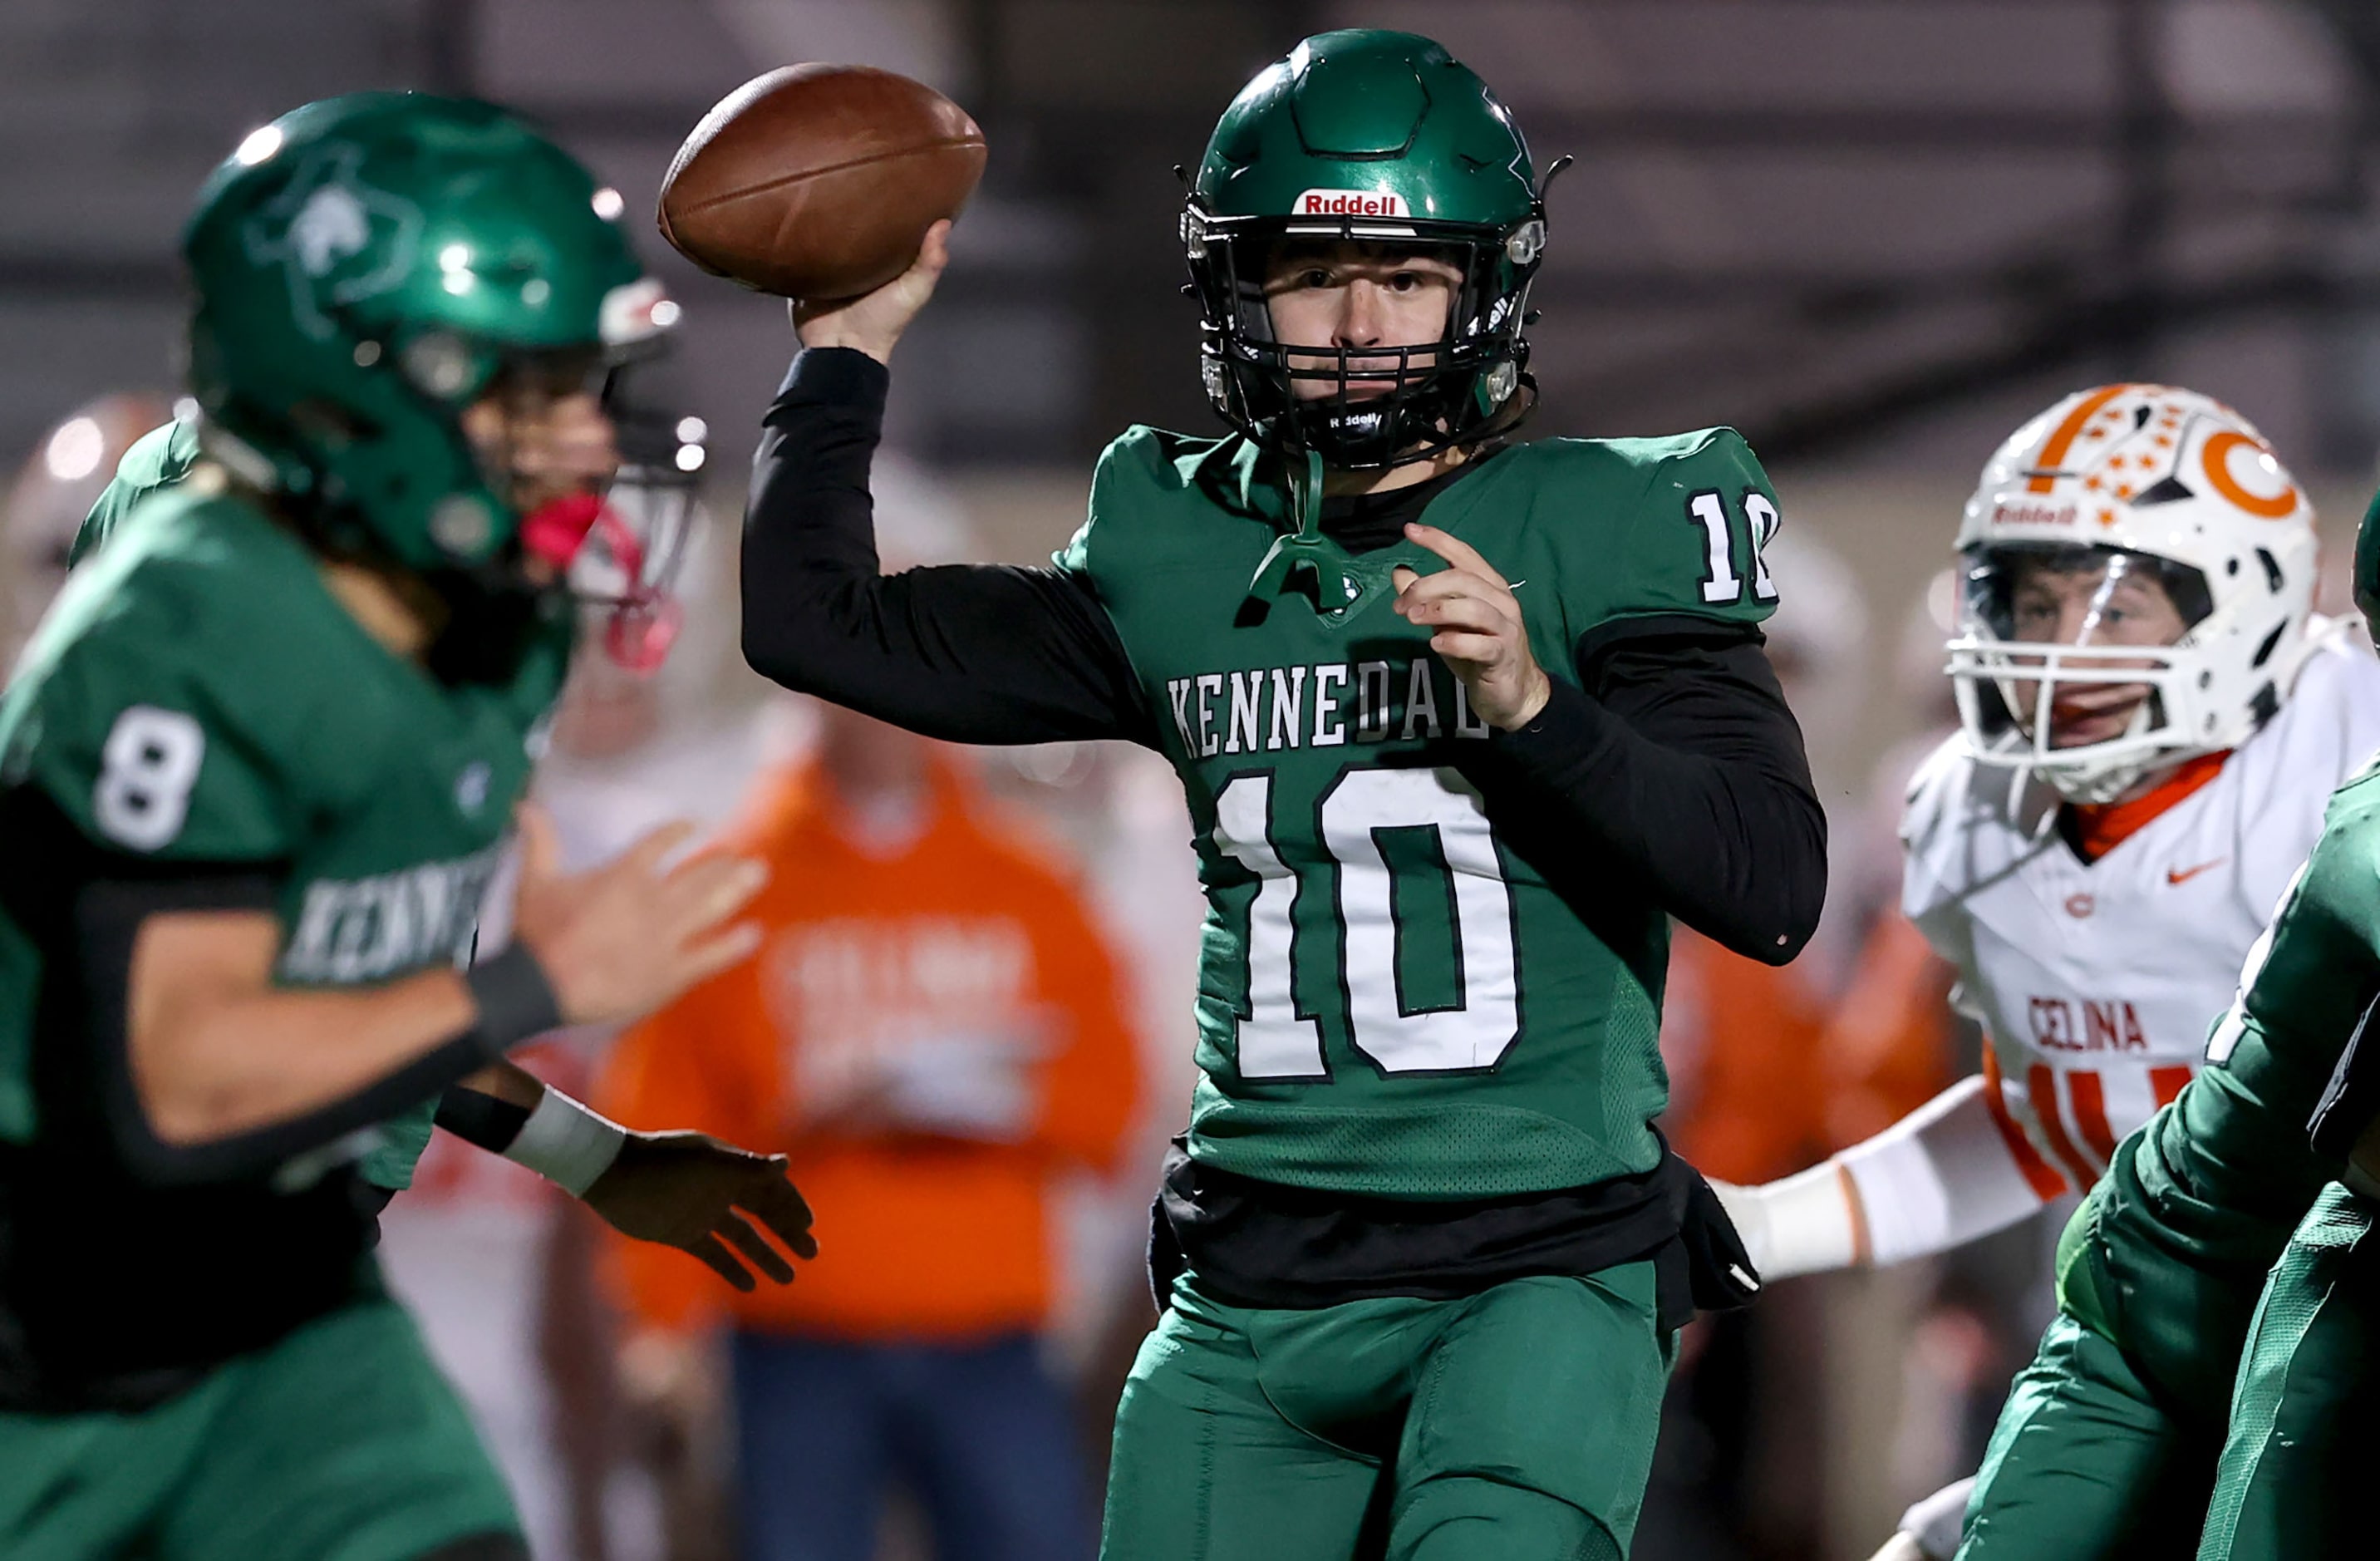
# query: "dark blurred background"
{"type": "Point", "coordinates": [1875, 235]}
{"type": "Point", "coordinates": [1866, 231]}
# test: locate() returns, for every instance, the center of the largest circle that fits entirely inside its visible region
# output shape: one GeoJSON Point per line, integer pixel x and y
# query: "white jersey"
{"type": "Point", "coordinates": [2096, 982]}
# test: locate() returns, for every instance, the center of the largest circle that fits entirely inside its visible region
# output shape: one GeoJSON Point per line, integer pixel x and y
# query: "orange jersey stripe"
{"type": "Point", "coordinates": [2053, 454]}
{"type": "Point", "coordinates": [2039, 1174]}
{"type": "Point", "coordinates": [2042, 1085]}
{"type": "Point", "coordinates": [2091, 1114]}
{"type": "Point", "coordinates": [1863, 1247]}
{"type": "Point", "coordinates": [2167, 1081]}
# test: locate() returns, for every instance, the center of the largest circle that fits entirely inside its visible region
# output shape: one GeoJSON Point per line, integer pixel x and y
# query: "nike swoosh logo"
{"type": "Point", "coordinates": [2187, 873]}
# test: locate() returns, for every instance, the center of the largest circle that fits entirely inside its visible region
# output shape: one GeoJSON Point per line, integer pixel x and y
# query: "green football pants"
{"type": "Point", "coordinates": [1511, 1425]}
{"type": "Point", "coordinates": [340, 1442]}
{"type": "Point", "coordinates": [2298, 1468]}
{"type": "Point", "coordinates": [2087, 1463]}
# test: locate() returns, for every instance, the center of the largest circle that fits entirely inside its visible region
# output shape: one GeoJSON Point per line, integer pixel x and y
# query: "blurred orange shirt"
{"type": "Point", "coordinates": [974, 931]}
{"type": "Point", "coordinates": [1770, 1076]}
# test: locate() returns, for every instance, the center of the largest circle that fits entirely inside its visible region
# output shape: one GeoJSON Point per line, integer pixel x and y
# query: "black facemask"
{"type": "Point", "coordinates": [492, 618]}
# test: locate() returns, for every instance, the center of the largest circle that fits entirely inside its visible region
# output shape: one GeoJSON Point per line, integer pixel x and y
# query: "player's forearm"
{"type": "Point", "coordinates": [1691, 773]}
{"type": "Point", "coordinates": [1940, 1178]}
{"type": "Point", "coordinates": [225, 1075]}
{"type": "Point", "coordinates": [236, 1064]}
{"type": "Point", "coordinates": [965, 653]}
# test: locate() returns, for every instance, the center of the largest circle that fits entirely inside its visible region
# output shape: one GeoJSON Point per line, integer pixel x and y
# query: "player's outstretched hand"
{"type": "Point", "coordinates": [874, 321]}
{"type": "Point", "coordinates": [623, 940]}
{"type": "Point", "coordinates": [685, 1191]}
{"type": "Point", "coordinates": [1476, 628]}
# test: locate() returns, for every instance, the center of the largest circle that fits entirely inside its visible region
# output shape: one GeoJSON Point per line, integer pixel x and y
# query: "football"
{"type": "Point", "coordinates": [819, 181]}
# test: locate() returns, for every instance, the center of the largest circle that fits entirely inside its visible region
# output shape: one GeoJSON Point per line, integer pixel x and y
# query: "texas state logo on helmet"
{"type": "Point", "coordinates": [2141, 478]}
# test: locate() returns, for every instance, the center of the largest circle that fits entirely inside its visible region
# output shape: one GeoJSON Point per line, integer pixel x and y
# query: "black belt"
{"type": "Point", "coordinates": [1260, 1244]}
{"type": "Point", "coordinates": [117, 1296]}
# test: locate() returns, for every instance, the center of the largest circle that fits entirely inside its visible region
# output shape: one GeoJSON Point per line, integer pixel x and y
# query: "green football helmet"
{"type": "Point", "coordinates": [1381, 136]}
{"type": "Point", "coordinates": [368, 265]}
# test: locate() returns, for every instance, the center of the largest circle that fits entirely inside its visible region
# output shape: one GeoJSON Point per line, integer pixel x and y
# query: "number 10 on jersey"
{"type": "Point", "coordinates": [1359, 815]}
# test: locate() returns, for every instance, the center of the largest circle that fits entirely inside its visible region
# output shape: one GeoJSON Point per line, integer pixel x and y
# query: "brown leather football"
{"type": "Point", "coordinates": [818, 181]}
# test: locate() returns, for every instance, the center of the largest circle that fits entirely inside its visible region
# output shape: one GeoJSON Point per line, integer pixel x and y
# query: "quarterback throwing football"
{"type": "Point", "coordinates": [1462, 721]}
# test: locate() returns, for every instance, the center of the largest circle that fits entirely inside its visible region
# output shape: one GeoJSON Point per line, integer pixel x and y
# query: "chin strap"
{"type": "Point", "coordinates": [1303, 562]}
{"type": "Point", "coordinates": [643, 623]}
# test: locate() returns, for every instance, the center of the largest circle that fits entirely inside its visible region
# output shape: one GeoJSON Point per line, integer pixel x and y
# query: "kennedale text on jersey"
{"type": "Point", "coordinates": [1264, 710]}
{"type": "Point", "coordinates": [368, 929]}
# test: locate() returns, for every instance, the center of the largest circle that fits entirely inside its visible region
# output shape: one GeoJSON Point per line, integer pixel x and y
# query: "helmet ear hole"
{"type": "Point", "coordinates": [2272, 570]}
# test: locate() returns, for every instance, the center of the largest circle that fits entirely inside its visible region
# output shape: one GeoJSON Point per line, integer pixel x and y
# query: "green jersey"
{"type": "Point", "coordinates": [2167, 1255]}
{"type": "Point", "coordinates": [197, 697]}
{"type": "Point", "coordinates": [1393, 1000]}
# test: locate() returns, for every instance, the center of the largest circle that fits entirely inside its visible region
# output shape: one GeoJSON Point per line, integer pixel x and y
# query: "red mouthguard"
{"type": "Point", "coordinates": [643, 623]}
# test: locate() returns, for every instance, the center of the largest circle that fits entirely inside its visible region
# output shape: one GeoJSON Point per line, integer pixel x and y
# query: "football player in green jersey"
{"type": "Point", "coordinates": [257, 767]}
{"type": "Point", "coordinates": [2290, 1483]}
{"type": "Point", "coordinates": [2158, 1272]}
{"type": "Point", "coordinates": [1462, 721]}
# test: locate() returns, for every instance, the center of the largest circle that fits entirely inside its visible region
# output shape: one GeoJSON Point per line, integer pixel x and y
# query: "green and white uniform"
{"type": "Point", "coordinates": [1396, 1003]}
{"type": "Point", "coordinates": [196, 1357]}
{"type": "Point", "coordinates": [1429, 1242]}
{"type": "Point", "coordinates": [2159, 1270]}
{"type": "Point", "coordinates": [198, 706]}
{"type": "Point", "coordinates": [1391, 1001]}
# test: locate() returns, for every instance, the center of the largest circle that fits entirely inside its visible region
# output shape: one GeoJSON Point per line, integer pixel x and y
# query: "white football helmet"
{"type": "Point", "coordinates": [2123, 480]}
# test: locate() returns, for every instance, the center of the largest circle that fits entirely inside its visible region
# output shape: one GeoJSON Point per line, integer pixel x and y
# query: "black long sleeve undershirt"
{"type": "Point", "coordinates": [1674, 760]}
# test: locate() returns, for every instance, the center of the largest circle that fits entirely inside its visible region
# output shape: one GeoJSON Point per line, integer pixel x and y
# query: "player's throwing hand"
{"type": "Point", "coordinates": [874, 321]}
{"type": "Point", "coordinates": [621, 941]}
{"type": "Point", "coordinates": [1476, 628]}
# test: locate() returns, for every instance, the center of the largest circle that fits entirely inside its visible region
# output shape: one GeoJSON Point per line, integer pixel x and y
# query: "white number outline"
{"type": "Point", "coordinates": [1763, 522]}
{"type": "Point", "coordinates": [1723, 582]}
{"type": "Point", "coordinates": [1484, 919]}
{"type": "Point", "coordinates": [1721, 585]}
{"type": "Point", "coordinates": [1267, 1013]}
{"type": "Point", "coordinates": [148, 767]}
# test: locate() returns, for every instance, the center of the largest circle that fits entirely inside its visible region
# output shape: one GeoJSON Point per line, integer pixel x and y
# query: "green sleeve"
{"type": "Point", "coordinates": [402, 1138]}
{"type": "Point", "coordinates": [2317, 966]}
{"type": "Point", "coordinates": [2236, 1146]}
{"type": "Point", "coordinates": [157, 459]}
{"type": "Point", "coordinates": [156, 735]}
{"type": "Point", "coordinates": [1136, 462]}
{"type": "Point", "coordinates": [1663, 528]}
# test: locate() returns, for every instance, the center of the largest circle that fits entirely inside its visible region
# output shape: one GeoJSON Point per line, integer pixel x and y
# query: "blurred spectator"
{"type": "Point", "coordinates": [54, 490]}
{"type": "Point", "coordinates": [935, 1033]}
{"type": "Point", "coordinates": [1120, 807]}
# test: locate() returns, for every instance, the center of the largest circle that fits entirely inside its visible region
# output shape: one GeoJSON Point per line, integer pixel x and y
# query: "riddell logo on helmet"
{"type": "Point", "coordinates": [2033, 515]}
{"type": "Point", "coordinates": [1351, 203]}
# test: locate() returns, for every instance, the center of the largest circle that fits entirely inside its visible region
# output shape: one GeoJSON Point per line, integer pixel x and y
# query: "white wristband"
{"type": "Point", "coordinates": [1807, 1222]}
{"type": "Point", "coordinates": [567, 1143]}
